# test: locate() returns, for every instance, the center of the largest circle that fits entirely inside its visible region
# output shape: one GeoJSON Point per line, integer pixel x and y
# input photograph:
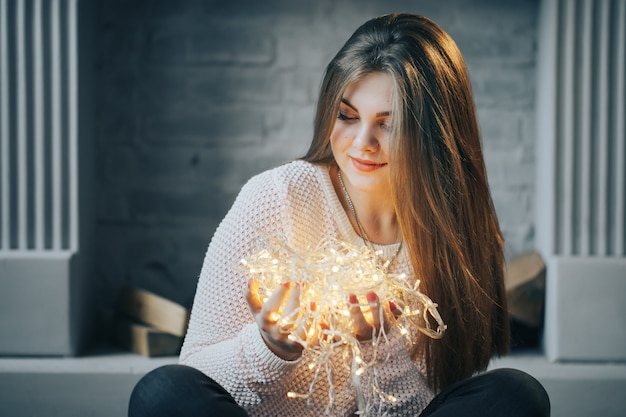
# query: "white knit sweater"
{"type": "Point", "coordinates": [297, 201]}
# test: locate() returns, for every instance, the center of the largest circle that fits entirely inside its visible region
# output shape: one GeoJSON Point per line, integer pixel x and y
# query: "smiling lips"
{"type": "Point", "coordinates": [364, 165]}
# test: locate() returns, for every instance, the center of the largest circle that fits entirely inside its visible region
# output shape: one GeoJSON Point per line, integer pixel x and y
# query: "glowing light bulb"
{"type": "Point", "coordinates": [275, 316]}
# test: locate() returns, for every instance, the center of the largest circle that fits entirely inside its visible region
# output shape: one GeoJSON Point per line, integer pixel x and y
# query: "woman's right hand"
{"type": "Point", "coordinates": [280, 306]}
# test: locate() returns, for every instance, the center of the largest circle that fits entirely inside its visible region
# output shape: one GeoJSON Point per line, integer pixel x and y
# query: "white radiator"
{"type": "Point", "coordinates": [38, 129]}
{"type": "Point", "coordinates": [581, 177]}
{"type": "Point", "coordinates": [44, 270]}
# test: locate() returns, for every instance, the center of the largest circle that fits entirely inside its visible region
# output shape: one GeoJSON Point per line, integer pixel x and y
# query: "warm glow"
{"type": "Point", "coordinates": [328, 275]}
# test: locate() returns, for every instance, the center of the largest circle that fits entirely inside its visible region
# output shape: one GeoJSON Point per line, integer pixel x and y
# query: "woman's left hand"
{"type": "Point", "coordinates": [365, 326]}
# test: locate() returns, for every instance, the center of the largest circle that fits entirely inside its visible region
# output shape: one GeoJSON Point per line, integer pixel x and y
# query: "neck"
{"type": "Point", "coordinates": [375, 213]}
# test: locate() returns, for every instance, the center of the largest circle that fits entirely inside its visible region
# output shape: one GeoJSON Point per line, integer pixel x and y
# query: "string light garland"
{"type": "Point", "coordinates": [329, 276]}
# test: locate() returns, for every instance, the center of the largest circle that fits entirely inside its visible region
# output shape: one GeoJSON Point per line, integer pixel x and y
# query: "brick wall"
{"type": "Point", "coordinates": [193, 97]}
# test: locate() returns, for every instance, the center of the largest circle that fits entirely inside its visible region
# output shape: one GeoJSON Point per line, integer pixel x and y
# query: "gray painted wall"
{"type": "Point", "coordinates": [193, 97]}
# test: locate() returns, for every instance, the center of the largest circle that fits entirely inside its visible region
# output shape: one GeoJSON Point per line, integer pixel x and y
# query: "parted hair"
{"type": "Point", "coordinates": [438, 182]}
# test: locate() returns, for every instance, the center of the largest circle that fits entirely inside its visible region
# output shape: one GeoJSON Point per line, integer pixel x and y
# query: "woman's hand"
{"type": "Point", "coordinates": [366, 325]}
{"type": "Point", "coordinates": [282, 306]}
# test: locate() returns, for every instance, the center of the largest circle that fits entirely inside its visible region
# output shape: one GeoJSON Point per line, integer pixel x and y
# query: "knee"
{"type": "Point", "coordinates": [156, 391]}
{"type": "Point", "coordinates": [523, 390]}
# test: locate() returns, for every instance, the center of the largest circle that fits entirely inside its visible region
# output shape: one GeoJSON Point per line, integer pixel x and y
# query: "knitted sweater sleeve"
{"type": "Point", "coordinates": [222, 340]}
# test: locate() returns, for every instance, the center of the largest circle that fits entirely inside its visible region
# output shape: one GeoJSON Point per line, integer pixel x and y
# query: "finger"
{"type": "Point", "coordinates": [302, 334]}
{"type": "Point", "coordinates": [290, 314]}
{"type": "Point", "coordinates": [360, 326]}
{"type": "Point", "coordinates": [310, 331]}
{"type": "Point", "coordinates": [292, 307]}
{"type": "Point", "coordinates": [252, 296]}
{"type": "Point", "coordinates": [325, 332]}
{"type": "Point", "coordinates": [374, 303]}
{"type": "Point", "coordinates": [393, 308]}
{"type": "Point", "coordinates": [270, 312]}
{"type": "Point", "coordinates": [390, 313]}
{"type": "Point", "coordinates": [318, 333]}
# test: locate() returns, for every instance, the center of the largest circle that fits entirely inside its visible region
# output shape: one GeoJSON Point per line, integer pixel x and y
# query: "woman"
{"type": "Point", "coordinates": [395, 164]}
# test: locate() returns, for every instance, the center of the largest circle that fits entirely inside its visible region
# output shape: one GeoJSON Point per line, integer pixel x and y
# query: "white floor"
{"type": "Point", "coordinates": [100, 385]}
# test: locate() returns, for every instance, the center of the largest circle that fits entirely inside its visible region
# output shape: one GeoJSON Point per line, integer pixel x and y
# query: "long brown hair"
{"type": "Point", "coordinates": [439, 183]}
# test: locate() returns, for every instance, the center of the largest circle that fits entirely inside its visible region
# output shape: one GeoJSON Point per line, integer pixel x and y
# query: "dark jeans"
{"type": "Point", "coordinates": [176, 390]}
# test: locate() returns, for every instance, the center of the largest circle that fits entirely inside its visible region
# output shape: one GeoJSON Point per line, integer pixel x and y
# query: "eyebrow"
{"type": "Point", "coordinates": [379, 114]}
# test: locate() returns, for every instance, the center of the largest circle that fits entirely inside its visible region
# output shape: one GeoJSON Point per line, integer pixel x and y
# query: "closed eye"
{"type": "Point", "coordinates": [342, 116]}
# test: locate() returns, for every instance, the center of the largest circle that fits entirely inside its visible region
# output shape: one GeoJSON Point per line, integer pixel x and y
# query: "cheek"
{"type": "Point", "coordinates": [385, 146]}
{"type": "Point", "coordinates": [335, 139]}
{"type": "Point", "coordinates": [340, 137]}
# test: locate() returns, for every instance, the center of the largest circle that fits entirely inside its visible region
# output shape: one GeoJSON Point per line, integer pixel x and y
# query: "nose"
{"type": "Point", "coordinates": [365, 139]}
